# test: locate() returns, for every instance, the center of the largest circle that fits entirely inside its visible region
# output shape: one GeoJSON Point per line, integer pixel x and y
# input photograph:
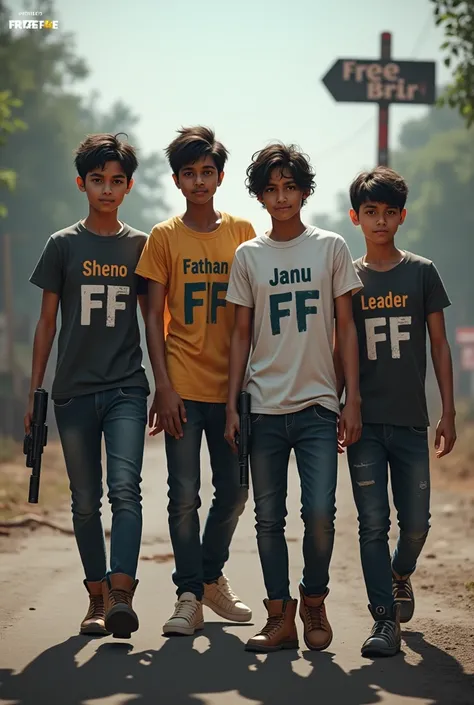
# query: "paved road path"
{"type": "Point", "coordinates": [44, 662]}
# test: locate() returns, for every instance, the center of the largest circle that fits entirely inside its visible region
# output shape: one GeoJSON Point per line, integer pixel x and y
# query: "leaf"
{"type": "Point", "coordinates": [447, 61]}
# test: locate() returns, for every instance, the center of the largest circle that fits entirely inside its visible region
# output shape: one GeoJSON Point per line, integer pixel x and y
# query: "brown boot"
{"type": "Point", "coordinates": [120, 618]}
{"type": "Point", "coordinates": [317, 630]}
{"type": "Point", "coordinates": [93, 623]}
{"type": "Point", "coordinates": [280, 630]}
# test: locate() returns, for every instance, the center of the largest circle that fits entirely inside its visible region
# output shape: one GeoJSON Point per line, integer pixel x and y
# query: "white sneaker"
{"type": "Point", "coordinates": [220, 598]}
{"type": "Point", "coordinates": [187, 616]}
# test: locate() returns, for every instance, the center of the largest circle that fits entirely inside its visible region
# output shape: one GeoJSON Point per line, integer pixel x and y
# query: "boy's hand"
{"type": "Point", "coordinates": [153, 418]}
{"type": "Point", "coordinates": [232, 428]}
{"type": "Point", "coordinates": [27, 419]}
{"type": "Point", "coordinates": [171, 412]}
{"type": "Point", "coordinates": [445, 429]}
{"type": "Point", "coordinates": [350, 425]}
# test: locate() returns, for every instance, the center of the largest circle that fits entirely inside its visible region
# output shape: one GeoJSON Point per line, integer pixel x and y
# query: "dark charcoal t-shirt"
{"type": "Point", "coordinates": [99, 341]}
{"type": "Point", "coordinates": [390, 314]}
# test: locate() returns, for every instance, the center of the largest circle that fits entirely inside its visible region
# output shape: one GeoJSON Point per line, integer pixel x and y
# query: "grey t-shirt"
{"type": "Point", "coordinates": [99, 341]}
{"type": "Point", "coordinates": [390, 314]}
{"type": "Point", "coordinates": [292, 286]}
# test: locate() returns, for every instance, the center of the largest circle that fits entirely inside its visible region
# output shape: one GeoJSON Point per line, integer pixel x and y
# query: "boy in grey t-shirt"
{"type": "Point", "coordinates": [100, 388]}
{"type": "Point", "coordinates": [288, 286]}
{"type": "Point", "coordinates": [403, 296]}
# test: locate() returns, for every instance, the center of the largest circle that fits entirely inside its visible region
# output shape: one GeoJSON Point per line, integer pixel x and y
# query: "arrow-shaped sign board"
{"type": "Point", "coordinates": [382, 81]}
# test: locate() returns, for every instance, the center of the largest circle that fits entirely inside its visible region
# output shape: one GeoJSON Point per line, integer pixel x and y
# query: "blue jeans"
{"type": "Point", "coordinates": [405, 450]}
{"type": "Point", "coordinates": [312, 433]}
{"type": "Point", "coordinates": [120, 415]}
{"type": "Point", "coordinates": [197, 563]}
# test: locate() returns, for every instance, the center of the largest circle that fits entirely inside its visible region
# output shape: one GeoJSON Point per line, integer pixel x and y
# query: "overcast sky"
{"type": "Point", "coordinates": [252, 70]}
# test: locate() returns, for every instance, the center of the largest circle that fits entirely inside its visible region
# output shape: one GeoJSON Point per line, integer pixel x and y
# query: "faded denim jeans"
{"type": "Point", "coordinates": [312, 433]}
{"type": "Point", "coordinates": [405, 450]}
{"type": "Point", "coordinates": [120, 416]}
{"type": "Point", "coordinates": [199, 562]}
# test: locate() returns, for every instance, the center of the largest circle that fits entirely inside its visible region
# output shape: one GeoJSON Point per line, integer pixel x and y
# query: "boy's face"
{"type": "Point", "coordinates": [105, 188]}
{"type": "Point", "coordinates": [282, 197]}
{"type": "Point", "coordinates": [379, 221]}
{"type": "Point", "coordinates": [199, 181]}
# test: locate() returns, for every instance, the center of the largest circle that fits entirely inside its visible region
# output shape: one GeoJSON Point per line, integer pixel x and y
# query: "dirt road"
{"type": "Point", "coordinates": [44, 662]}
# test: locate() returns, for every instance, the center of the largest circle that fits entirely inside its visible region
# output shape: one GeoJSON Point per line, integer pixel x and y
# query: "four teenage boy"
{"type": "Point", "coordinates": [226, 310]}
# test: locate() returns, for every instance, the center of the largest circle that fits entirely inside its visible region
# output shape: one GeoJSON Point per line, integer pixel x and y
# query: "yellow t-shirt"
{"type": "Point", "coordinates": [195, 267]}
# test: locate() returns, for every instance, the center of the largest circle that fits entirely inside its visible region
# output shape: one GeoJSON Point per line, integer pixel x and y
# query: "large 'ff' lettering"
{"type": "Point", "coordinates": [112, 305]}
{"type": "Point", "coordinates": [302, 311]}
{"type": "Point", "coordinates": [396, 335]}
{"type": "Point", "coordinates": [214, 299]}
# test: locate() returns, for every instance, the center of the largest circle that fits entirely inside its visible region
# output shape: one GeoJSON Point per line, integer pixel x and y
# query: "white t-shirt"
{"type": "Point", "coordinates": [292, 286]}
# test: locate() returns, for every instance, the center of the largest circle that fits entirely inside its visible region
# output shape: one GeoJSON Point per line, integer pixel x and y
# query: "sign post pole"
{"type": "Point", "coordinates": [384, 105]}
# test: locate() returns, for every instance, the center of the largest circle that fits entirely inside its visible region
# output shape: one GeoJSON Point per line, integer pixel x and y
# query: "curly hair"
{"type": "Point", "coordinates": [286, 158]}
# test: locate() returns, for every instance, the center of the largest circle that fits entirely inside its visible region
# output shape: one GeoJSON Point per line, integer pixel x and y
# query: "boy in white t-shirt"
{"type": "Point", "coordinates": [288, 287]}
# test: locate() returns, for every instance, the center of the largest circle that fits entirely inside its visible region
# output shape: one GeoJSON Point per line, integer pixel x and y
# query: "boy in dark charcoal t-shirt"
{"type": "Point", "coordinates": [402, 296]}
{"type": "Point", "coordinates": [100, 387]}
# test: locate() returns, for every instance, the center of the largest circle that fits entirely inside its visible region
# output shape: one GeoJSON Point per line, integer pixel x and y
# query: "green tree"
{"type": "Point", "coordinates": [457, 19]}
{"type": "Point", "coordinates": [43, 71]}
{"type": "Point", "coordinates": [8, 125]}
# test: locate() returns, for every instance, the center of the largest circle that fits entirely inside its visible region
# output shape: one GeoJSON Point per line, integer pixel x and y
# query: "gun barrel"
{"type": "Point", "coordinates": [244, 441]}
{"type": "Point", "coordinates": [36, 441]}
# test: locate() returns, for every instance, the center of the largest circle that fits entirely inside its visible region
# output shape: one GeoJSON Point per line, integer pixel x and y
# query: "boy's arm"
{"type": "Point", "coordinates": [340, 382]}
{"type": "Point", "coordinates": [443, 366]}
{"type": "Point", "coordinates": [143, 303]}
{"type": "Point", "coordinates": [239, 354]}
{"type": "Point", "coordinates": [167, 404]}
{"type": "Point", "coordinates": [350, 424]}
{"type": "Point", "coordinates": [43, 342]}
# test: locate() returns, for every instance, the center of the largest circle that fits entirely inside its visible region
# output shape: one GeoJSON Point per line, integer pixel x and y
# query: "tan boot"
{"type": "Point", "coordinates": [317, 630]}
{"type": "Point", "coordinates": [120, 618]}
{"type": "Point", "coordinates": [93, 623]}
{"type": "Point", "coordinates": [280, 630]}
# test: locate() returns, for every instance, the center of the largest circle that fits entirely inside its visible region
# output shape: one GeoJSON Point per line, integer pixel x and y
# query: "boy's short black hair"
{"type": "Point", "coordinates": [381, 185]}
{"type": "Point", "coordinates": [96, 150]}
{"type": "Point", "coordinates": [286, 158]}
{"type": "Point", "coordinates": [192, 144]}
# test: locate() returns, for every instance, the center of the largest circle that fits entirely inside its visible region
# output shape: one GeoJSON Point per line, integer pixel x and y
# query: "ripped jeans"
{"type": "Point", "coordinates": [405, 450]}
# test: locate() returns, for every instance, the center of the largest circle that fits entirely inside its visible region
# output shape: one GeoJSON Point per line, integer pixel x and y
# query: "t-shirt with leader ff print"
{"type": "Point", "coordinates": [390, 314]}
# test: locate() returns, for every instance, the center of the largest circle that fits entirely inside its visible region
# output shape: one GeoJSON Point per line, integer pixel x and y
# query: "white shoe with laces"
{"type": "Point", "coordinates": [220, 598]}
{"type": "Point", "coordinates": [187, 616]}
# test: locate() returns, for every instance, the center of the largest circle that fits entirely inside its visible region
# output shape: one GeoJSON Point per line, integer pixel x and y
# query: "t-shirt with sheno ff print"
{"type": "Point", "coordinates": [292, 286]}
{"type": "Point", "coordinates": [94, 276]}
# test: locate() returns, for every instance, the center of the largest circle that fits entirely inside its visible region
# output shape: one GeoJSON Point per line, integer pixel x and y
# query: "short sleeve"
{"type": "Point", "coordinates": [239, 290]}
{"type": "Point", "coordinates": [48, 273]}
{"type": "Point", "coordinates": [345, 277]}
{"type": "Point", "coordinates": [436, 297]}
{"type": "Point", "coordinates": [153, 262]}
{"type": "Point", "coordinates": [142, 286]}
{"type": "Point", "coordinates": [250, 233]}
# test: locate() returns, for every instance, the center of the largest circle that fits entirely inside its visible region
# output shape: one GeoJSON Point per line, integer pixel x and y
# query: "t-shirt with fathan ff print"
{"type": "Point", "coordinates": [291, 286]}
{"type": "Point", "coordinates": [99, 340]}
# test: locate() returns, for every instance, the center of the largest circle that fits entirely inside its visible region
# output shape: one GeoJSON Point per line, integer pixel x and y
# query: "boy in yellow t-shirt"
{"type": "Point", "coordinates": [187, 260]}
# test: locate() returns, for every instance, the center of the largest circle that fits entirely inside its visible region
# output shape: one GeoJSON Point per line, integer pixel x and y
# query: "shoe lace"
{"type": "Point", "coordinates": [119, 596]}
{"type": "Point", "coordinates": [384, 628]}
{"type": "Point", "coordinates": [96, 607]}
{"type": "Point", "coordinates": [273, 623]}
{"type": "Point", "coordinates": [185, 609]}
{"type": "Point", "coordinates": [314, 617]}
{"type": "Point", "coordinates": [225, 589]}
{"type": "Point", "coordinates": [402, 589]}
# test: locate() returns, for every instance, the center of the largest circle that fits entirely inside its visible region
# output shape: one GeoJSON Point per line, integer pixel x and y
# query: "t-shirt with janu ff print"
{"type": "Point", "coordinates": [391, 314]}
{"type": "Point", "coordinates": [292, 286]}
{"type": "Point", "coordinates": [195, 267]}
{"type": "Point", "coordinates": [99, 340]}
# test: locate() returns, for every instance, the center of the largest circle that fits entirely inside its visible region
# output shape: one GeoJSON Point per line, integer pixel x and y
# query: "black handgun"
{"type": "Point", "coordinates": [35, 441]}
{"type": "Point", "coordinates": [244, 438]}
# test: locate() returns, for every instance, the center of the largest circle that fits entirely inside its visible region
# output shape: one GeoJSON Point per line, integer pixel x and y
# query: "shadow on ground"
{"type": "Point", "coordinates": [178, 674]}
